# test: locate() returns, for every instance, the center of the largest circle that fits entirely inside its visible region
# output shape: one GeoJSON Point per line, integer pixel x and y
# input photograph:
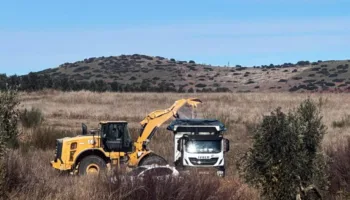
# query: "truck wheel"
{"type": "Point", "coordinates": [91, 165]}
{"type": "Point", "coordinates": [153, 159]}
{"type": "Point", "coordinates": [221, 172]}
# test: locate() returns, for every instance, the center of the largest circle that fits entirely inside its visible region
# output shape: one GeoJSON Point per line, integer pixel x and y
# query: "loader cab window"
{"type": "Point", "coordinates": [115, 137]}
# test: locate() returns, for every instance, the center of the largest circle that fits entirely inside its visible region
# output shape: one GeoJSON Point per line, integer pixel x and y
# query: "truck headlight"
{"type": "Point", "coordinates": [191, 148]}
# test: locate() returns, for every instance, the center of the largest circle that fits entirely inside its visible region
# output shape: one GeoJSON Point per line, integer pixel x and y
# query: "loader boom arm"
{"type": "Point", "coordinates": [156, 118]}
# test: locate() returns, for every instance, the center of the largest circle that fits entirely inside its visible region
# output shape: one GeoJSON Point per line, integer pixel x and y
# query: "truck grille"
{"type": "Point", "coordinates": [196, 161]}
{"type": "Point", "coordinates": [58, 152]}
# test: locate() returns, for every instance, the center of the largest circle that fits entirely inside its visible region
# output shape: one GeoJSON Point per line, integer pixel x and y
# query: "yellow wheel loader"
{"type": "Point", "coordinates": [111, 145]}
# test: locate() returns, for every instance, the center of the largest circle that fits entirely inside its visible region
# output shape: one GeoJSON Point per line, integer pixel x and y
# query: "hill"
{"type": "Point", "coordinates": [146, 73]}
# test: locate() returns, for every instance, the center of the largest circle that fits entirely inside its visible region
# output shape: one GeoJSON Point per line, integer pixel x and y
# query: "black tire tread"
{"type": "Point", "coordinates": [88, 160]}
{"type": "Point", "coordinates": [153, 159]}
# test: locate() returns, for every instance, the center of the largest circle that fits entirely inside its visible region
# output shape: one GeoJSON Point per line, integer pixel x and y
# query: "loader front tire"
{"type": "Point", "coordinates": [153, 159]}
{"type": "Point", "coordinates": [91, 165]}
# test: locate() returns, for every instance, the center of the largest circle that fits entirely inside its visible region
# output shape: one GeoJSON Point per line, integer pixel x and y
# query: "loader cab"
{"type": "Point", "coordinates": [115, 136]}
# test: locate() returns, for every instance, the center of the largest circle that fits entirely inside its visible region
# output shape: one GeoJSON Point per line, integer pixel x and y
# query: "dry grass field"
{"type": "Point", "coordinates": [67, 110]}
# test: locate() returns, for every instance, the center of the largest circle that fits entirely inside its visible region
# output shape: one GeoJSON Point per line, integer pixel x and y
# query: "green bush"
{"type": "Point", "coordinates": [9, 118]}
{"type": "Point", "coordinates": [8, 131]}
{"type": "Point", "coordinates": [285, 157]}
{"type": "Point", "coordinates": [201, 85]}
{"type": "Point", "coordinates": [31, 118]}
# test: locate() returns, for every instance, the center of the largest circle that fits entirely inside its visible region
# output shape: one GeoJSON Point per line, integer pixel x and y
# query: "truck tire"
{"type": "Point", "coordinates": [153, 159]}
{"type": "Point", "coordinates": [91, 165]}
{"type": "Point", "coordinates": [221, 172]}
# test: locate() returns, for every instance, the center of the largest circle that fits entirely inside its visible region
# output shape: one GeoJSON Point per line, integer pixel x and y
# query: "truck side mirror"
{"type": "Point", "coordinates": [180, 144]}
{"type": "Point", "coordinates": [226, 145]}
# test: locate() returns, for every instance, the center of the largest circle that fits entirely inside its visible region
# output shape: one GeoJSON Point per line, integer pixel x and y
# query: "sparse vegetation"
{"type": "Point", "coordinates": [65, 111]}
{"type": "Point", "coordinates": [344, 122]}
{"type": "Point", "coordinates": [31, 118]}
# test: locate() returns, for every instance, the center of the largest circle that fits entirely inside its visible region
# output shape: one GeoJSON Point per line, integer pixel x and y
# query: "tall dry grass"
{"type": "Point", "coordinates": [239, 112]}
{"type": "Point", "coordinates": [29, 177]}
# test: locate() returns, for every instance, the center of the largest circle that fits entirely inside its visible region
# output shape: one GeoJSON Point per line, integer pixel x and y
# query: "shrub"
{"type": "Point", "coordinates": [31, 118]}
{"type": "Point", "coordinates": [192, 62]}
{"type": "Point", "coordinates": [338, 80]}
{"type": "Point", "coordinates": [97, 71]}
{"type": "Point", "coordinates": [293, 89]}
{"type": "Point", "coordinates": [241, 68]}
{"type": "Point", "coordinates": [285, 157]}
{"type": "Point", "coordinates": [201, 85]}
{"type": "Point", "coordinates": [339, 167]}
{"type": "Point", "coordinates": [8, 131]}
{"type": "Point", "coordinates": [309, 81]}
{"type": "Point", "coordinates": [80, 69]}
{"type": "Point", "coordinates": [303, 63]}
{"type": "Point", "coordinates": [297, 78]}
{"type": "Point", "coordinates": [283, 80]}
{"type": "Point", "coordinates": [311, 87]}
{"type": "Point", "coordinates": [190, 90]}
{"type": "Point", "coordinates": [222, 89]}
{"type": "Point", "coordinates": [249, 82]}
{"type": "Point", "coordinates": [344, 122]}
{"type": "Point", "coordinates": [329, 84]}
{"type": "Point", "coordinates": [9, 118]}
{"type": "Point", "coordinates": [342, 71]}
{"type": "Point", "coordinates": [45, 137]}
{"type": "Point", "coordinates": [333, 75]}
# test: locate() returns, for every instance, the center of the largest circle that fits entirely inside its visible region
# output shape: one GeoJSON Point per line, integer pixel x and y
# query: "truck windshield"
{"type": "Point", "coordinates": [203, 146]}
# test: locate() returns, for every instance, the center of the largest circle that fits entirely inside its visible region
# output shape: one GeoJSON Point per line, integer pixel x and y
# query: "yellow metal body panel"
{"type": "Point", "coordinates": [83, 143]}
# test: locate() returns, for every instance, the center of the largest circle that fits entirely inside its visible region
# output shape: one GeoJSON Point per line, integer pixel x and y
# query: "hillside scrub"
{"type": "Point", "coordinates": [286, 156]}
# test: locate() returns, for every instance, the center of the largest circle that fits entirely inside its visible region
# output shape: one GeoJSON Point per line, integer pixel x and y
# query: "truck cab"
{"type": "Point", "coordinates": [199, 143]}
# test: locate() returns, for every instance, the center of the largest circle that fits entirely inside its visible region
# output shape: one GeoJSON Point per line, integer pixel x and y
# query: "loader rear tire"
{"type": "Point", "coordinates": [153, 159]}
{"type": "Point", "coordinates": [91, 165]}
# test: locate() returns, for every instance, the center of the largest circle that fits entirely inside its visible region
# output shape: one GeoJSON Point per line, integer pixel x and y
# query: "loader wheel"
{"type": "Point", "coordinates": [153, 159]}
{"type": "Point", "coordinates": [91, 165]}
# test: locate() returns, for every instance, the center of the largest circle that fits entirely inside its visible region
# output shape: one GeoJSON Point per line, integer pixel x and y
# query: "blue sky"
{"type": "Point", "coordinates": [35, 35]}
